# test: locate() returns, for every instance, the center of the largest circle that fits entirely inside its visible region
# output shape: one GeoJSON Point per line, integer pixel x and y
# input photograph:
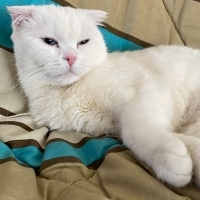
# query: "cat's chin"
{"type": "Point", "coordinates": [63, 79]}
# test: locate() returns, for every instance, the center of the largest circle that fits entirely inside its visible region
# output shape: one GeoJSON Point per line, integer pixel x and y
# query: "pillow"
{"type": "Point", "coordinates": [113, 42]}
{"type": "Point", "coordinates": [5, 22]}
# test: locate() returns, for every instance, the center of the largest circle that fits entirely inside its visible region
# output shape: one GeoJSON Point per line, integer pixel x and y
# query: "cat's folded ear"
{"type": "Point", "coordinates": [20, 14]}
{"type": "Point", "coordinates": [98, 16]}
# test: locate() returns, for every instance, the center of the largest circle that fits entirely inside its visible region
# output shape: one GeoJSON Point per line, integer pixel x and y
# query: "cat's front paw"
{"type": "Point", "coordinates": [194, 150]}
{"type": "Point", "coordinates": [193, 146]}
{"type": "Point", "coordinates": [173, 164]}
{"type": "Point", "coordinates": [196, 160]}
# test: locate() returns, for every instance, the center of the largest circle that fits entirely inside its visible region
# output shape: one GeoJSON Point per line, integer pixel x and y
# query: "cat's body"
{"type": "Point", "coordinates": [94, 103]}
{"type": "Point", "coordinates": [144, 96]}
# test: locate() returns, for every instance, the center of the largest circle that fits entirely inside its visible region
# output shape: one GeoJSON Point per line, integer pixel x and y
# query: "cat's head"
{"type": "Point", "coordinates": [56, 45]}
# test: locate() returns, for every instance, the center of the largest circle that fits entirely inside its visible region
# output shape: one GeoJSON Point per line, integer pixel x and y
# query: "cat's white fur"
{"type": "Point", "coordinates": [145, 96]}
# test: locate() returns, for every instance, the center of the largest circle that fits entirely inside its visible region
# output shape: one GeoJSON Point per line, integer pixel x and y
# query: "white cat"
{"type": "Point", "coordinates": [145, 96]}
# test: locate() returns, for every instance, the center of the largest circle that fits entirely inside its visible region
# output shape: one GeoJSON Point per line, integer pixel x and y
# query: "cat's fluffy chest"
{"type": "Point", "coordinates": [90, 105]}
{"type": "Point", "coordinates": [78, 108]}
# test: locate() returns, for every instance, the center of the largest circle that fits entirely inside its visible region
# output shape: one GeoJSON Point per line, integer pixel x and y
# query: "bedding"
{"type": "Point", "coordinates": [36, 164]}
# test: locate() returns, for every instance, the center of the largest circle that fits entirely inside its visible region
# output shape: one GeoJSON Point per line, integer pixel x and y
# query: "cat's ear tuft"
{"type": "Point", "coordinates": [20, 14]}
{"type": "Point", "coordinates": [98, 16]}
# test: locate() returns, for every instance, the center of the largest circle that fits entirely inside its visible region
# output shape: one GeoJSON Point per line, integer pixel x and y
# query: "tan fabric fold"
{"type": "Point", "coordinates": [154, 22]}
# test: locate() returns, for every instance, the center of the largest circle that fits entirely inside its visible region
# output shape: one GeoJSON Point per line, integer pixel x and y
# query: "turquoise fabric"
{"type": "Point", "coordinates": [113, 42]}
{"type": "Point", "coordinates": [31, 156]}
{"type": "Point", "coordinates": [91, 151]}
{"type": "Point", "coordinates": [116, 43]}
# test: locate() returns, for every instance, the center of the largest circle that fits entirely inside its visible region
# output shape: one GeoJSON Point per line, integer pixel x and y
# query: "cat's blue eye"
{"type": "Point", "coordinates": [83, 42]}
{"type": "Point", "coordinates": [50, 41]}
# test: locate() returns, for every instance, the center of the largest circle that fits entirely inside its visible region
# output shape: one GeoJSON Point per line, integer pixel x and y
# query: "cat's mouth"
{"type": "Point", "coordinates": [62, 77]}
{"type": "Point", "coordinates": [61, 72]}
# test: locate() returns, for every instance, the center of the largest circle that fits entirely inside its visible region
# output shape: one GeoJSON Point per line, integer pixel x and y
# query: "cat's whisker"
{"type": "Point", "coordinates": [34, 66]}
{"type": "Point", "coordinates": [18, 82]}
{"type": "Point", "coordinates": [33, 74]}
{"type": "Point", "coordinates": [29, 77]}
{"type": "Point", "coordinates": [28, 68]}
{"type": "Point", "coordinates": [37, 75]}
{"type": "Point", "coordinates": [32, 78]}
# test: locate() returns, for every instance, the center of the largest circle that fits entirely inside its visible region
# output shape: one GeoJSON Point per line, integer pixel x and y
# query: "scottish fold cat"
{"type": "Point", "coordinates": [147, 97]}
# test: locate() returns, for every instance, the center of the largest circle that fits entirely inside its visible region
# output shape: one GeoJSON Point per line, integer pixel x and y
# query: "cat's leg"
{"type": "Point", "coordinates": [145, 129]}
{"type": "Point", "coordinates": [193, 146]}
{"type": "Point", "coordinates": [190, 135]}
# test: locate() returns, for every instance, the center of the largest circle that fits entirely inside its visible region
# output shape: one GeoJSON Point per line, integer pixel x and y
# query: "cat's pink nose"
{"type": "Point", "coordinates": [70, 59]}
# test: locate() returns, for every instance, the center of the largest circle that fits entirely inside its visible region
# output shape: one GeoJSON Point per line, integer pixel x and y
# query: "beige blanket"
{"type": "Point", "coordinates": [38, 165]}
